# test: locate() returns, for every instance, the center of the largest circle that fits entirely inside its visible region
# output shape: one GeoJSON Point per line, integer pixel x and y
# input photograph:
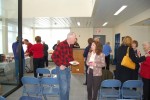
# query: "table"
{"type": "Point", "coordinates": [7, 69]}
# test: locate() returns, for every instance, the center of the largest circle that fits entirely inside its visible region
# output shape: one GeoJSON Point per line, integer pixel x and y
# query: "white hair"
{"type": "Point", "coordinates": [69, 35]}
{"type": "Point", "coordinates": [146, 42]}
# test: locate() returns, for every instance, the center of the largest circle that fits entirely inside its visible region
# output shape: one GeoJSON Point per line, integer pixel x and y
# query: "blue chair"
{"type": "Point", "coordinates": [42, 71]}
{"type": "Point", "coordinates": [132, 89]}
{"type": "Point", "coordinates": [110, 89]}
{"type": "Point", "coordinates": [2, 98]}
{"type": "Point", "coordinates": [50, 87]}
{"type": "Point", "coordinates": [31, 86]}
{"type": "Point", "coordinates": [29, 98]}
{"type": "Point", "coordinates": [54, 73]}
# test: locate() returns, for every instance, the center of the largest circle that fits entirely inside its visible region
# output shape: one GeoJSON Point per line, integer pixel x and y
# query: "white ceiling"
{"type": "Point", "coordinates": [57, 8]}
{"type": "Point", "coordinates": [103, 11]}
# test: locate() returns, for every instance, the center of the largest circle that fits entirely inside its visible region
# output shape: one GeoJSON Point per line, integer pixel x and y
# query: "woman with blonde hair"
{"type": "Point", "coordinates": [123, 73]}
{"type": "Point", "coordinates": [95, 61]}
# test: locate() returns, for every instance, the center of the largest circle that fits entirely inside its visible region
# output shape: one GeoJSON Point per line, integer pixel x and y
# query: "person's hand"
{"type": "Point", "coordinates": [62, 67]}
{"type": "Point", "coordinates": [26, 54]}
{"type": "Point", "coordinates": [92, 63]}
{"type": "Point", "coordinates": [138, 53]}
{"type": "Point", "coordinates": [147, 55]}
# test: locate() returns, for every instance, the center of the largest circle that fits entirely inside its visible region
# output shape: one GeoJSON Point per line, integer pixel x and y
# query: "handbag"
{"type": "Point", "coordinates": [127, 62]}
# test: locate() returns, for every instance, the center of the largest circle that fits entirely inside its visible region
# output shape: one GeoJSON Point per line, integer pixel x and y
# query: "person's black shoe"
{"type": "Point", "coordinates": [84, 83]}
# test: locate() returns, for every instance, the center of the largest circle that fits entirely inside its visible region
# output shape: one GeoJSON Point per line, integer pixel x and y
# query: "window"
{"type": "Point", "coordinates": [12, 34]}
{"type": "Point", "coordinates": [50, 36]}
{"type": "Point", "coordinates": [1, 47]}
{"type": "Point", "coordinates": [27, 34]}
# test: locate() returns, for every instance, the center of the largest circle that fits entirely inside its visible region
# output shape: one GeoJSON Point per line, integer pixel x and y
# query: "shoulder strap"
{"type": "Point", "coordinates": [127, 54]}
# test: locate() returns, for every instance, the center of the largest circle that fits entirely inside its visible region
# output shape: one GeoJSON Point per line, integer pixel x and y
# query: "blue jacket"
{"type": "Point", "coordinates": [15, 47]}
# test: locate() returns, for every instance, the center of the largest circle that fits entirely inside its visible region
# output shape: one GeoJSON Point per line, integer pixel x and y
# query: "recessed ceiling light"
{"type": "Point", "coordinates": [105, 24]}
{"type": "Point", "coordinates": [78, 23]}
{"type": "Point", "coordinates": [120, 10]}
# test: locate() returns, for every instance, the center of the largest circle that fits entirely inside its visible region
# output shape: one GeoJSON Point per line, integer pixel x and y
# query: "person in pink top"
{"type": "Point", "coordinates": [38, 54]}
{"type": "Point", "coordinates": [145, 72]}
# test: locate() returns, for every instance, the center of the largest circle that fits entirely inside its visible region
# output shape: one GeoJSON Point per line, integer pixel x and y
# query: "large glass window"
{"type": "Point", "coordinates": [1, 50]}
{"type": "Point", "coordinates": [50, 36]}
{"type": "Point", "coordinates": [8, 33]}
{"type": "Point", "coordinates": [27, 34]}
{"type": "Point", "coordinates": [12, 34]}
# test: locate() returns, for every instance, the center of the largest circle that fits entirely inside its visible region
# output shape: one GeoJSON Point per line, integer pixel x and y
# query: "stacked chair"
{"type": "Point", "coordinates": [37, 88]}
{"type": "Point", "coordinates": [44, 71]}
{"type": "Point", "coordinates": [31, 87]}
{"type": "Point", "coordinates": [50, 87]}
{"type": "Point", "coordinates": [2, 98]}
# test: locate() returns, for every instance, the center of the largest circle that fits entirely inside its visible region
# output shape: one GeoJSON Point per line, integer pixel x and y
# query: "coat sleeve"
{"type": "Point", "coordinates": [134, 58]}
{"type": "Point", "coordinates": [88, 58]}
{"type": "Point", "coordinates": [100, 61]}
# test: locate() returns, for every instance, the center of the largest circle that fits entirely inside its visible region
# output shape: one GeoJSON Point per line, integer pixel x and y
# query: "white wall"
{"type": "Point", "coordinates": [139, 33]}
{"type": "Point", "coordinates": [109, 35]}
{"type": "Point", "coordinates": [83, 34]}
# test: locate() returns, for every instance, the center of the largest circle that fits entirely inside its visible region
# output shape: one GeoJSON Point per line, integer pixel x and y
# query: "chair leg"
{"type": "Point", "coordinates": [45, 98]}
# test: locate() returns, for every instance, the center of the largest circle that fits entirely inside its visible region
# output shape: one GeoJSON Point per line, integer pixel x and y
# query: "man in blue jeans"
{"type": "Point", "coordinates": [15, 48]}
{"type": "Point", "coordinates": [61, 56]}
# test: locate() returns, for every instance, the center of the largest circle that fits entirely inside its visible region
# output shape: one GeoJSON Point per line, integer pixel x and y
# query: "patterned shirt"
{"type": "Point", "coordinates": [63, 54]}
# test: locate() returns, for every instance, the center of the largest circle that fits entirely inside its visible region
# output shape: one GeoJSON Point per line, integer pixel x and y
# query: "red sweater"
{"type": "Point", "coordinates": [145, 68]}
{"type": "Point", "coordinates": [28, 48]}
{"type": "Point", "coordinates": [37, 50]}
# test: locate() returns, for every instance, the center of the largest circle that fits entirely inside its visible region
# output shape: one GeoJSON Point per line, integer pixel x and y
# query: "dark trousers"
{"type": "Point", "coordinates": [46, 60]}
{"type": "Point", "coordinates": [93, 85]}
{"type": "Point", "coordinates": [107, 60]}
{"type": "Point", "coordinates": [146, 89]}
{"type": "Point", "coordinates": [37, 63]}
{"type": "Point", "coordinates": [86, 68]}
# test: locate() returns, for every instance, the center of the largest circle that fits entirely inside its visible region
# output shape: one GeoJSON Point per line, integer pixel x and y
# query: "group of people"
{"type": "Point", "coordinates": [37, 52]}
{"type": "Point", "coordinates": [96, 58]}
{"type": "Point", "coordinates": [142, 63]}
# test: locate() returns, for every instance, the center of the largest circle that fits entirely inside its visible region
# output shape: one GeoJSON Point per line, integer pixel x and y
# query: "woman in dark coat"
{"type": "Point", "coordinates": [137, 54]}
{"type": "Point", "coordinates": [123, 73]}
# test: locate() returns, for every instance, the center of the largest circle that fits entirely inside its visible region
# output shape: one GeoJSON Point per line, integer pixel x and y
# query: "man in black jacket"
{"type": "Point", "coordinates": [45, 54]}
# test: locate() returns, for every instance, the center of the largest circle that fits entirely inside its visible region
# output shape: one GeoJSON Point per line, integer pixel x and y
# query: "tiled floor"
{"type": "Point", "coordinates": [77, 92]}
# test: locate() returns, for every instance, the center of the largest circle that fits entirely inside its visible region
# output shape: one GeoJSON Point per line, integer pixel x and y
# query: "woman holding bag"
{"type": "Point", "coordinates": [124, 73]}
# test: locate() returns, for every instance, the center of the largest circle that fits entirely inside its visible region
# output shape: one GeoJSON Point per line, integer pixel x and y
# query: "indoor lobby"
{"type": "Point", "coordinates": [52, 20]}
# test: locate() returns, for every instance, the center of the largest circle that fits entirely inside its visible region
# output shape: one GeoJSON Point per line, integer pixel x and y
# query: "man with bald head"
{"type": "Point", "coordinates": [61, 56]}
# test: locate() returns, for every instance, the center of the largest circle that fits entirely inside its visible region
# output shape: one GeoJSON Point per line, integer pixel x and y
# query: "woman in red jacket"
{"type": "Point", "coordinates": [38, 54]}
{"type": "Point", "coordinates": [145, 72]}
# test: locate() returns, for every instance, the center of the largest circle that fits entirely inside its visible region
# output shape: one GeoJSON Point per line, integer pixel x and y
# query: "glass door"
{"type": "Point", "coordinates": [8, 34]}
